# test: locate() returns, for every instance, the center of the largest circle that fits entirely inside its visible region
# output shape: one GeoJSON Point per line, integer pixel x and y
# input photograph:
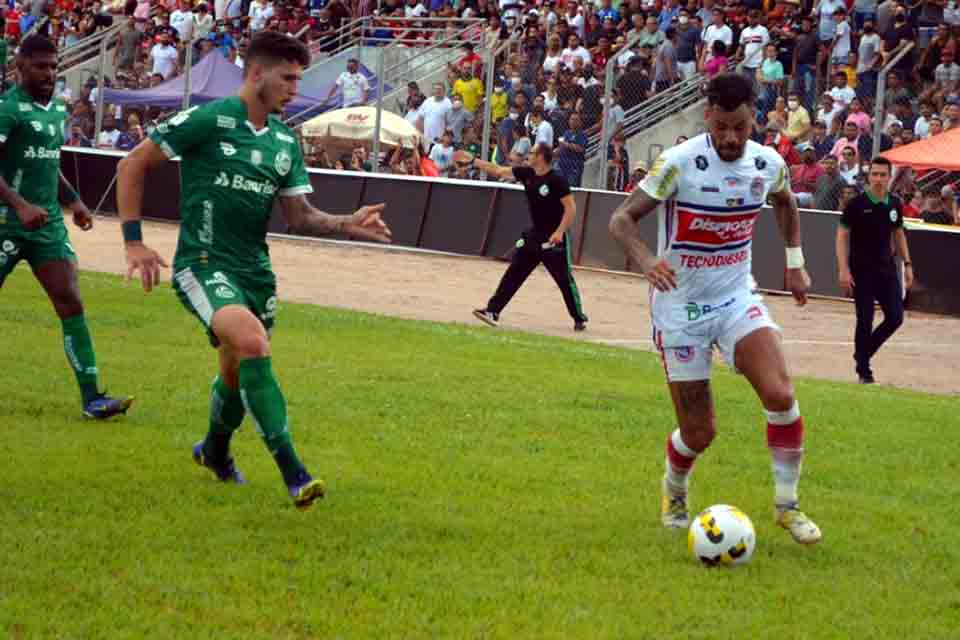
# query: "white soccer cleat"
{"type": "Point", "coordinates": [801, 527]}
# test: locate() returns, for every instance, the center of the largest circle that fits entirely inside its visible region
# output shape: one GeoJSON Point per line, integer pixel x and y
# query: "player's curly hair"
{"type": "Point", "coordinates": [729, 90]}
{"type": "Point", "coordinates": [273, 47]}
{"type": "Point", "coordinates": [32, 45]}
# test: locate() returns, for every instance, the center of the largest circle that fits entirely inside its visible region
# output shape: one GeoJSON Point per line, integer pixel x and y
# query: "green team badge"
{"type": "Point", "coordinates": [283, 162]}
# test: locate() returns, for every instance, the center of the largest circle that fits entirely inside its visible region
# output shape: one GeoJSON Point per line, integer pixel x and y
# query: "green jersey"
{"type": "Point", "coordinates": [31, 135]}
{"type": "Point", "coordinates": [230, 173]}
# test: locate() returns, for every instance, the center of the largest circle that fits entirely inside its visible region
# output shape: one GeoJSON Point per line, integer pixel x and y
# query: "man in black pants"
{"type": "Point", "coordinates": [552, 210]}
{"type": "Point", "coordinates": [865, 252]}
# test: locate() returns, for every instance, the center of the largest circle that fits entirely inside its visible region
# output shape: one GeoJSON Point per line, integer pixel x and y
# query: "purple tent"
{"type": "Point", "coordinates": [212, 78]}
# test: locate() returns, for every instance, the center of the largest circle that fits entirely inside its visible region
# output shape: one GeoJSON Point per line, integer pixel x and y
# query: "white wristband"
{"type": "Point", "coordinates": [795, 258]}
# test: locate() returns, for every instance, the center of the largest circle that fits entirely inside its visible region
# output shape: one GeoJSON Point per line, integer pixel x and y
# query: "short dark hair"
{"type": "Point", "coordinates": [730, 91]}
{"type": "Point", "coordinates": [272, 47]}
{"type": "Point", "coordinates": [544, 150]}
{"type": "Point", "coordinates": [883, 162]}
{"type": "Point", "coordinates": [37, 44]}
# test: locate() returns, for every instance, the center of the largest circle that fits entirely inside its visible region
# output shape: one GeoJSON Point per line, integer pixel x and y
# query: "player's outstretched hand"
{"type": "Point", "coordinates": [366, 223]}
{"type": "Point", "coordinates": [462, 157]}
{"type": "Point", "coordinates": [32, 217]}
{"type": "Point", "coordinates": [846, 283]}
{"type": "Point", "coordinates": [798, 282]}
{"type": "Point", "coordinates": [81, 216]}
{"type": "Point", "coordinates": [142, 258]}
{"type": "Point", "coordinates": [660, 274]}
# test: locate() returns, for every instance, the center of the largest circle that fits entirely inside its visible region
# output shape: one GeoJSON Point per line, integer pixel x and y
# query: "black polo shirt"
{"type": "Point", "coordinates": [871, 224]}
{"type": "Point", "coordinates": [544, 194]}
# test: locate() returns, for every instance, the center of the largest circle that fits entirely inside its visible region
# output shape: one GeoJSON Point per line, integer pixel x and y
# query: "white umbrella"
{"type": "Point", "coordinates": [357, 124]}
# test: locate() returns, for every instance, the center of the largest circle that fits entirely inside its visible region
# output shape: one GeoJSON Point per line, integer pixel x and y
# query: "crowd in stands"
{"type": "Point", "coordinates": [815, 65]}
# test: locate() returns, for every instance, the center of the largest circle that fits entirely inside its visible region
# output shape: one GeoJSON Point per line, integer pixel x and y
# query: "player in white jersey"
{"type": "Point", "coordinates": [702, 290]}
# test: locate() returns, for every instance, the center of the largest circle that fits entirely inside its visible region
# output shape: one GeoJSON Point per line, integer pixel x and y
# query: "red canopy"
{"type": "Point", "coordinates": [942, 151]}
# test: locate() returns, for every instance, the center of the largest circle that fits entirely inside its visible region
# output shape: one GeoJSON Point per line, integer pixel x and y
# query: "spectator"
{"type": "Point", "coordinates": [554, 55]}
{"type": "Point", "coordinates": [858, 116]}
{"type": "Point", "coordinates": [851, 138]}
{"type": "Point", "coordinates": [689, 46]}
{"type": "Point", "coordinates": [828, 112]}
{"type": "Point", "coordinates": [826, 10]}
{"type": "Point", "coordinates": [498, 104]}
{"type": "Point", "coordinates": [181, 19]}
{"type": "Point", "coordinates": [841, 92]}
{"type": "Point", "coordinates": [933, 211]}
{"type": "Point", "coordinates": [804, 67]}
{"type": "Point", "coordinates": [442, 153]}
{"type": "Point", "coordinates": [849, 166]}
{"type": "Point", "coordinates": [572, 152]}
{"type": "Point", "coordinates": [352, 85]}
{"type": "Point", "coordinates": [753, 43]}
{"type": "Point", "coordinates": [936, 126]}
{"type": "Point", "coordinates": [634, 86]}
{"type": "Point", "coordinates": [77, 139]}
{"type": "Point", "coordinates": [946, 80]}
{"type": "Point", "coordinates": [573, 51]}
{"type": "Point", "coordinates": [949, 198]}
{"type": "Point", "coordinates": [458, 118]}
{"type": "Point", "coordinates": [896, 39]}
{"type": "Point", "coordinates": [841, 42]}
{"type": "Point", "coordinates": [718, 61]}
{"type": "Point", "coordinates": [782, 144]}
{"type": "Point", "coordinates": [869, 59]}
{"type": "Point", "coordinates": [551, 100]}
{"type": "Point", "coordinates": [717, 30]}
{"type": "Point", "coordinates": [109, 136]}
{"type": "Point", "coordinates": [804, 176]}
{"type": "Point", "coordinates": [798, 119]}
{"type": "Point", "coordinates": [469, 88]}
{"type": "Point", "coordinates": [652, 36]}
{"type": "Point", "coordinates": [896, 92]}
{"type": "Point", "coordinates": [618, 163]}
{"type": "Point", "coordinates": [521, 144]}
{"type": "Point", "coordinates": [164, 58]}
{"type": "Point", "coordinates": [637, 176]}
{"type": "Point", "coordinates": [542, 130]}
{"type": "Point", "coordinates": [203, 21]}
{"type": "Point", "coordinates": [666, 72]}
{"type": "Point", "coordinates": [921, 128]}
{"type": "Point", "coordinates": [829, 186]}
{"type": "Point", "coordinates": [131, 137]}
{"type": "Point", "coordinates": [822, 141]}
{"type": "Point", "coordinates": [128, 44]}
{"type": "Point", "coordinates": [770, 75]}
{"type": "Point", "coordinates": [433, 114]}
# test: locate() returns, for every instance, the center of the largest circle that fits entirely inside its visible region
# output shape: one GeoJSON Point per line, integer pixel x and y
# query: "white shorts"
{"type": "Point", "coordinates": [687, 352]}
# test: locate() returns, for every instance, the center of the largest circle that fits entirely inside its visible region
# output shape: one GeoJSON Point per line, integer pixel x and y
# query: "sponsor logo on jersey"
{"type": "Point", "coordinates": [9, 247]}
{"type": "Point", "coordinates": [696, 311]}
{"type": "Point", "coordinates": [731, 181]}
{"type": "Point", "coordinates": [228, 149]}
{"type": "Point", "coordinates": [544, 190]}
{"type": "Point", "coordinates": [756, 188]}
{"type": "Point", "coordinates": [25, 106]}
{"type": "Point", "coordinates": [714, 230]}
{"type": "Point", "coordinates": [224, 291]}
{"type": "Point", "coordinates": [41, 153]}
{"type": "Point", "coordinates": [713, 261]}
{"type": "Point", "coordinates": [284, 137]}
{"type": "Point", "coordinates": [684, 354]}
{"type": "Point", "coordinates": [282, 162]}
{"type": "Point", "coordinates": [256, 157]}
{"type": "Point", "coordinates": [217, 277]}
{"type": "Point", "coordinates": [37, 126]}
{"type": "Point", "coordinates": [701, 162]}
{"type": "Point", "coordinates": [271, 308]}
{"type": "Point", "coordinates": [240, 183]}
{"type": "Point", "coordinates": [709, 189]}
{"type": "Point", "coordinates": [226, 122]}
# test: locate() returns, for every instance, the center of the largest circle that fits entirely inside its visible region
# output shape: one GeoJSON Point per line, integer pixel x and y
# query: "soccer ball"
{"type": "Point", "coordinates": [721, 535]}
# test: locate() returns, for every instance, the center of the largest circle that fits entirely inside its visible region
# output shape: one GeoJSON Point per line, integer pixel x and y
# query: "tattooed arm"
{"type": "Point", "coordinates": [306, 220]}
{"type": "Point", "coordinates": [624, 228]}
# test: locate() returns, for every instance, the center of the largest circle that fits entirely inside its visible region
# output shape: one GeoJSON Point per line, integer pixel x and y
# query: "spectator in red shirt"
{"type": "Point", "coordinates": [804, 176]}
{"type": "Point", "coordinates": [782, 144]}
{"type": "Point", "coordinates": [471, 59]}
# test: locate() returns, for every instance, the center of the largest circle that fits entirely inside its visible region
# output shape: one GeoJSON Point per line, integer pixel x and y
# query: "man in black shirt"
{"type": "Point", "coordinates": [552, 210]}
{"type": "Point", "coordinates": [804, 68]}
{"type": "Point", "coordinates": [872, 223]}
{"type": "Point", "coordinates": [933, 209]}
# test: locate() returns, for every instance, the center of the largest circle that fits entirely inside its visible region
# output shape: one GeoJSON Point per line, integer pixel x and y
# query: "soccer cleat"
{"type": "Point", "coordinates": [867, 379]}
{"type": "Point", "coordinates": [673, 509]}
{"type": "Point", "coordinates": [488, 317]}
{"type": "Point", "coordinates": [104, 407]}
{"type": "Point", "coordinates": [801, 527]}
{"type": "Point", "coordinates": [580, 325]}
{"type": "Point", "coordinates": [225, 471]}
{"type": "Point", "coordinates": [306, 491]}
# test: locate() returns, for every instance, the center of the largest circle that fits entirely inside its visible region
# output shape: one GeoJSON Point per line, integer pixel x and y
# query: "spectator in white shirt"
{"type": "Point", "coordinates": [442, 153]}
{"type": "Point", "coordinates": [433, 114]}
{"type": "Point", "coordinates": [840, 48]}
{"type": "Point", "coordinates": [574, 50]}
{"type": "Point", "coordinates": [753, 39]}
{"type": "Point", "coordinates": [353, 86]}
{"type": "Point", "coordinates": [575, 19]}
{"type": "Point", "coordinates": [164, 57]}
{"type": "Point", "coordinates": [841, 92]}
{"type": "Point", "coordinates": [109, 136]}
{"type": "Point", "coordinates": [715, 31]}
{"type": "Point", "coordinates": [921, 129]}
{"type": "Point", "coordinates": [542, 128]}
{"type": "Point", "coordinates": [182, 20]}
{"type": "Point", "coordinates": [415, 9]}
{"type": "Point", "coordinates": [202, 22]}
{"type": "Point", "coordinates": [828, 111]}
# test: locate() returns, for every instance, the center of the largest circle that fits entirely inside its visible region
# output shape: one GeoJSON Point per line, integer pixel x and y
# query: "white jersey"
{"type": "Point", "coordinates": [706, 225]}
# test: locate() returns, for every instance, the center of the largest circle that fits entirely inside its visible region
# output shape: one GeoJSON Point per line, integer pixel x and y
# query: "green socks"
{"type": "Point", "coordinates": [263, 399]}
{"type": "Point", "coordinates": [226, 416]}
{"type": "Point", "coordinates": [79, 348]}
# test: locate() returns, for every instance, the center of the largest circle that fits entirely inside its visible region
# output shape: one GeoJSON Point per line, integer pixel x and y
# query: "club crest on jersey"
{"type": "Point", "coordinates": [25, 107]}
{"type": "Point", "coordinates": [684, 354]}
{"type": "Point", "coordinates": [282, 163]}
{"type": "Point", "coordinates": [544, 190]}
{"type": "Point", "coordinates": [760, 163]}
{"type": "Point", "coordinates": [256, 157]}
{"type": "Point", "coordinates": [731, 181]}
{"type": "Point", "coordinates": [9, 247]}
{"type": "Point", "coordinates": [37, 126]}
{"type": "Point", "coordinates": [756, 188]}
{"type": "Point", "coordinates": [701, 162]}
{"type": "Point", "coordinates": [893, 215]}
{"type": "Point", "coordinates": [734, 202]}
{"type": "Point", "coordinates": [227, 148]}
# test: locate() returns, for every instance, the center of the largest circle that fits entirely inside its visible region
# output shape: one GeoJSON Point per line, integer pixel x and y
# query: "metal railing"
{"type": "Point", "coordinates": [343, 38]}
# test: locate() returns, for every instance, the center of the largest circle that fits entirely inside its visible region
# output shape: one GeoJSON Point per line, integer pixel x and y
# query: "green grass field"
{"type": "Point", "coordinates": [481, 484]}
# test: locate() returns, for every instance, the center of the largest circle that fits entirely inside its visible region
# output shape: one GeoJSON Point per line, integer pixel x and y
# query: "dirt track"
{"type": "Point", "coordinates": [818, 338]}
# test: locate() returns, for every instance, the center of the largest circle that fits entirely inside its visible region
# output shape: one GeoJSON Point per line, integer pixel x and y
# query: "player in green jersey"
{"type": "Point", "coordinates": [236, 159]}
{"type": "Point", "coordinates": [31, 217]}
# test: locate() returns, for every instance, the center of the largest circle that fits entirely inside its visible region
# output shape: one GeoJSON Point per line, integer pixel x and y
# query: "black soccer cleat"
{"type": "Point", "coordinates": [487, 317]}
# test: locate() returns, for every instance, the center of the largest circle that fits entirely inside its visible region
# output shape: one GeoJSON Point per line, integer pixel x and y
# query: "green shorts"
{"type": "Point", "coordinates": [47, 244]}
{"type": "Point", "coordinates": [204, 290]}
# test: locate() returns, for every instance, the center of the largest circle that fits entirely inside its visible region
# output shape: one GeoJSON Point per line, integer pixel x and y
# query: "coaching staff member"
{"type": "Point", "coordinates": [869, 235]}
{"type": "Point", "coordinates": [552, 210]}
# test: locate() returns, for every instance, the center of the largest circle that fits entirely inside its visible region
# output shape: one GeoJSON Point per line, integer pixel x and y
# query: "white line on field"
{"type": "Point", "coordinates": [830, 343]}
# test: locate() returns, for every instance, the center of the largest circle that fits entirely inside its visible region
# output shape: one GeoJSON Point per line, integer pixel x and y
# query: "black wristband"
{"type": "Point", "coordinates": [132, 231]}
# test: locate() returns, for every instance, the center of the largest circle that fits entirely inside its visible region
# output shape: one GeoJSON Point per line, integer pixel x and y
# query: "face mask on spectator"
{"type": "Point", "coordinates": [684, 20]}
{"type": "Point", "coordinates": [792, 105]}
{"type": "Point", "coordinates": [457, 104]}
{"type": "Point", "coordinates": [498, 89]}
{"type": "Point", "coordinates": [515, 81]}
{"type": "Point", "coordinates": [514, 115]}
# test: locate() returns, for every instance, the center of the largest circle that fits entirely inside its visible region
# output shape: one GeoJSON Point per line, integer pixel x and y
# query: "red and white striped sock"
{"type": "Point", "coordinates": [680, 459]}
{"type": "Point", "coordinates": [785, 441]}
